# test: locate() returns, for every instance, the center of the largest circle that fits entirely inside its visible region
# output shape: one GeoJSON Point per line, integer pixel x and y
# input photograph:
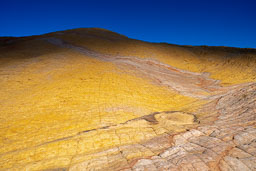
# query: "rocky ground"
{"type": "Point", "coordinates": [228, 142]}
{"type": "Point", "coordinates": [91, 99]}
{"type": "Point", "coordinates": [224, 140]}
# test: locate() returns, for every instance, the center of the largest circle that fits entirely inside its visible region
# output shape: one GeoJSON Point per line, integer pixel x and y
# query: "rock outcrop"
{"type": "Point", "coordinates": [91, 99]}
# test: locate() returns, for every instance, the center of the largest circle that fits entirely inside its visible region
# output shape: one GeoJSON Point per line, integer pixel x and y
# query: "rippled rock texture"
{"type": "Point", "coordinates": [91, 99]}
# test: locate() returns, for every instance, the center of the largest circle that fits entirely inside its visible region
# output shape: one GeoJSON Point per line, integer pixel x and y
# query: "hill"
{"type": "Point", "coordinates": [92, 99]}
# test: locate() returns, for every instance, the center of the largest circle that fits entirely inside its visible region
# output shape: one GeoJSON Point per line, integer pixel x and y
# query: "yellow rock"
{"type": "Point", "coordinates": [65, 100]}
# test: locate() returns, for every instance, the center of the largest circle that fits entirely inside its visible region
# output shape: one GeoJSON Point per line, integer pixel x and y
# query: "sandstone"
{"type": "Point", "coordinates": [95, 100]}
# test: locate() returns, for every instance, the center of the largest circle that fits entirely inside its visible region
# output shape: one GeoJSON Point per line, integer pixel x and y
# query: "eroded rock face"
{"type": "Point", "coordinates": [82, 100]}
{"type": "Point", "coordinates": [226, 144]}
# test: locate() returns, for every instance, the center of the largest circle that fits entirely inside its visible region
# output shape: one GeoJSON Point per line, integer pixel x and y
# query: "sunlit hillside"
{"type": "Point", "coordinates": [92, 99]}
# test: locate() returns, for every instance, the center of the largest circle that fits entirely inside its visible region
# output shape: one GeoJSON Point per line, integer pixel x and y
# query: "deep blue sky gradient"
{"type": "Point", "coordinates": [186, 22]}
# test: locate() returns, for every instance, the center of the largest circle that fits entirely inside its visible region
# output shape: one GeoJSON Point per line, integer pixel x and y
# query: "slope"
{"type": "Point", "coordinates": [92, 99]}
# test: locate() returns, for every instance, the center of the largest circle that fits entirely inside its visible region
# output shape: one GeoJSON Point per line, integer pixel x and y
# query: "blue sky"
{"type": "Point", "coordinates": [185, 22]}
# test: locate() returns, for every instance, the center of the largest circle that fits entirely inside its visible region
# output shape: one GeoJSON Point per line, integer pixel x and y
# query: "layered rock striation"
{"type": "Point", "coordinates": [91, 99]}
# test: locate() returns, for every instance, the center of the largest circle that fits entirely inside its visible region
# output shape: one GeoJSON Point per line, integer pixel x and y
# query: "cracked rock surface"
{"type": "Point", "coordinates": [228, 143]}
{"type": "Point", "coordinates": [91, 99]}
